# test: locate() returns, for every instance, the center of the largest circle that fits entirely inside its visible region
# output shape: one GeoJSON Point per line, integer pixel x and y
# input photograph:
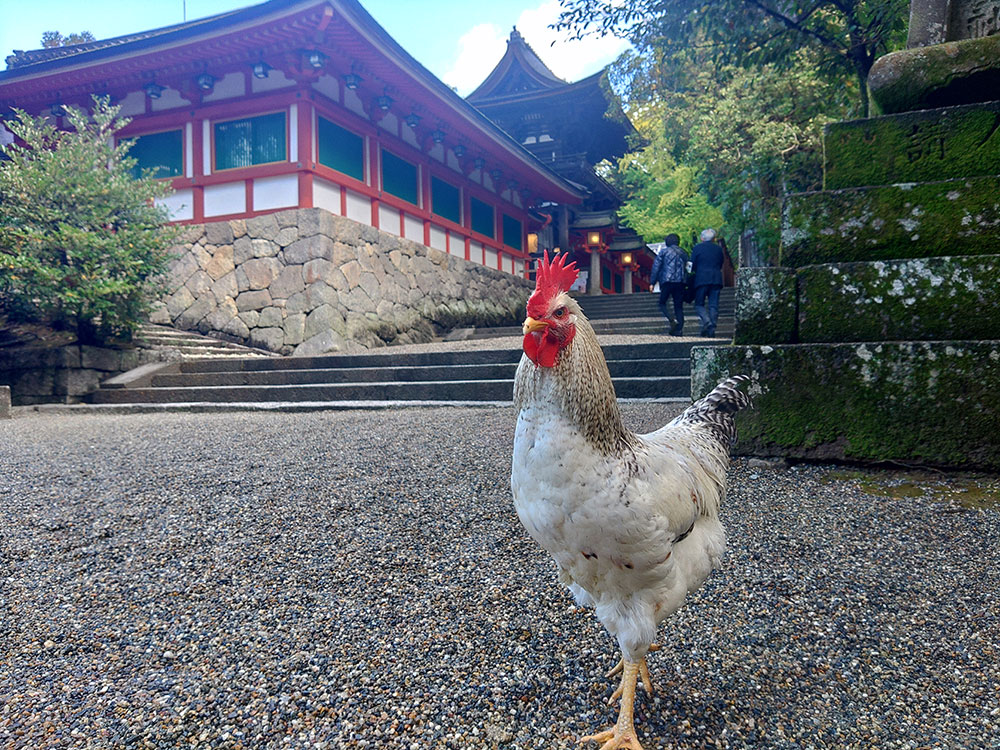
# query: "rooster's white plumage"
{"type": "Point", "coordinates": [632, 521]}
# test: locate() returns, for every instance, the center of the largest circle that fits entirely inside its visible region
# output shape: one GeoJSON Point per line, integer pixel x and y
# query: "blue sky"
{"type": "Point", "coordinates": [457, 40]}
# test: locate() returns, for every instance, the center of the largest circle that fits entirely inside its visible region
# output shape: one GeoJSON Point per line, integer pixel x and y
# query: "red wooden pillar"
{"type": "Point", "coordinates": [198, 171]}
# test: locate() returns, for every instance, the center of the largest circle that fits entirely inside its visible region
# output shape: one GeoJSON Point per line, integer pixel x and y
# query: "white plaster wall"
{"type": "Point", "coordinates": [456, 244]}
{"type": "Point", "coordinates": [414, 229]}
{"type": "Point", "coordinates": [517, 267]}
{"type": "Point", "coordinates": [206, 147]}
{"type": "Point", "coordinates": [275, 192]}
{"type": "Point", "coordinates": [491, 258]}
{"type": "Point", "coordinates": [353, 102]}
{"type": "Point", "coordinates": [229, 86]}
{"type": "Point", "coordinates": [293, 133]}
{"type": "Point", "coordinates": [188, 150]}
{"type": "Point", "coordinates": [390, 122]}
{"type": "Point", "coordinates": [476, 252]}
{"type": "Point", "coordinates": [328, 86]}
{"type": "Point", "coordinates": [180, 204]}
{"type": "Point", "coordinates": [133, 104]}
{"type": "Point", "coordinates": [169, 99]}
{"type": "Point", "coordinates": [439, 238]}
{"type": "Point", "coordinates": [359, 207]}
{"type": "Point", "coordinates": [388, 219]}
{"type": "Point", "coordinates": [326, 195]}
{"type": "Point", "coordinates": [452, 161]}
{"type": "Point", "coordinates": [228, 198]}
{"type": "Point", "coordinates": [408, 135]}
{"type": "Point", "coordinates": [275, 80]}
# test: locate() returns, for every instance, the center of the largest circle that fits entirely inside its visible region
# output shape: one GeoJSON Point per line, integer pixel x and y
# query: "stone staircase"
{"type": "Point", "coordinates": [481, 375]}
{"type": "Point", "coordinates": [633, 314]}
{"type": "Point", "coordinates": [183, 345]}
{"type": "Point", "coordinates": [642, 371]}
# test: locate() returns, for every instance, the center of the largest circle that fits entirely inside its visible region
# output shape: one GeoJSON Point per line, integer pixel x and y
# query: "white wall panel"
{"type": "Point", "coordinates": [491, 258]}
{"type": "Point", "coordinates": [180, 204]}
{"type": "Point", "coordinates": [275, 192]}
{"type": "Point", "coordinates": [439, 238]}
{"type": "Point", "coordinates": [456, 244]}
{"type": "Point", "coordinates": [388, 219]}
{"type": "Point", "coordinates": [326, 195]}
{"type": "Point", "coordinates": [293, 132]}
{"type": "Point", "coordinates": [228, 198]}
{"type": "Point", "coordinates": [414, 229]}
{"type": "Point", "coordinates": [133, 104]}
{"type": "Point", "coordinates": [275, 80]}
{"type": "Point", "coordinates": [230, 86]}
{"type": "Point", "coordinates": [359, 207]}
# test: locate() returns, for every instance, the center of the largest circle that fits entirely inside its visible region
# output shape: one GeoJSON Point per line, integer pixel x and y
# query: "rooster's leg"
{"type": "Point", "coordinates": [622, 736]}
{"type": "Point", "coordinates": [643, 672]}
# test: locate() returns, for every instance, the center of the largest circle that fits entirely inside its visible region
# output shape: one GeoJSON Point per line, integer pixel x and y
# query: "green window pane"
{"type": "Point", "coordinates": [481, 216]}
{"type": "Point", "coordinates": [254, 140]}
{"type": "Point", "coordinates": [341, 149]}
{"type": "Point", "coordinates": [399, 177]}
{"type": "Point", "coordinates": [511, 232]}
{"type": "Point", "coordinates": [163, 153]}
{"type": "Point", "coordinates": [446, 200]}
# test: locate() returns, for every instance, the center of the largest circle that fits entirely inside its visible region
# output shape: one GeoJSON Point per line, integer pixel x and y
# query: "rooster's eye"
{"type": "Point", "coordinates": [560, 311]}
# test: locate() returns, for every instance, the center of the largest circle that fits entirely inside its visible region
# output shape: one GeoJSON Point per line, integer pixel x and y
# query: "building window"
{"type": "Point", "coordinates": [340, 149]}
{"type": "Point", "coordinates": [399, 177]}
{"type": "Point", "coordinates": [253, 140]}
{"type": "Point", "coordinates": [446, 200]}
{"type": "Point", "coordinates": [481, 215]}
{"type": "Point", "coordinates": [163, 153]}
{"type": "Point", "coordinates": [511, 232]}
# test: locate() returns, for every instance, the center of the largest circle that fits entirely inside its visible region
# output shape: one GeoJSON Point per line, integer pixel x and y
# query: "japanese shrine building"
{"type": "Point", "coordinates": [305, 104]}
{"type": "Point", "coordinates": [570, 127]}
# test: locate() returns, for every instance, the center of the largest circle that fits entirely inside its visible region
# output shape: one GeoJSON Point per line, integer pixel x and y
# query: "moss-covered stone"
{"type": "Point", "coordinates": [940, 75]}
{"type": "Point", "coordinates": [922, 299]}
{"type": "Point", "coordinates": [929, 403]}
{"type": "Point", "coordinates": [922, 146]}
{"type": "Point", "coordinates": [765, 306]}
{"type": "Point", "coordinates": [951, 217]}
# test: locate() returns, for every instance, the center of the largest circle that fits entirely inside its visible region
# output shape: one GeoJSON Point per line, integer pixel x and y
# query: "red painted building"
{"type": "Point", "coordinates": [305, 103]}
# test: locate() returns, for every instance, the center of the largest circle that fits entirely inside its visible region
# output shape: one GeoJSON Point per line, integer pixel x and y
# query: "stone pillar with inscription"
{"type": "Point", "coordinates": [878, 338]}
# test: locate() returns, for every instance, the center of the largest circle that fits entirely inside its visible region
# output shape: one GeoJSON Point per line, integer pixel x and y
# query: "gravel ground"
{"type": "Point", "coordinates": [255, 581]}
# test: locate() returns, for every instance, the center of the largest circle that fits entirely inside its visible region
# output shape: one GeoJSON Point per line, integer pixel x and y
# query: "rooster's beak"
{"type": "Point", "coordinates": [531, 325]}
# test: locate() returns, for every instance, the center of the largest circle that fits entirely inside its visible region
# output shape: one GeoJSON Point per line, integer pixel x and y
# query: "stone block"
{"type": "Point", "coordinates": [295, 328]}
{"type": "Point", "coordinates": [5, 412]}
{"type": "Point", "coordinates": [289, 218]}
{"type": "Point", "coordinates": [941, 75]}
{"type": "Point", "coordinates": [225, 288]}
{"type": "Point", "coordinates": [267, 338]}
{"type": "Point", "coordinates": [930, 403]}
{"type": "Point", "coordinates": [260, 272]}
{"type": "Point", "coordinates": [262, 227]}
{"type": "Point", "coordinates": [316, 221]}
{"type": "Point", "coordinates": [178, 302]}
{"type": "Point", "coordinates": [219, 233]}
{"type": "Point", "coordinates": [765, 306]}
{"type": "Point", "coordinates": [923, 146]}
{"type": "Point", "coordinates": [951, 217]}
{"type": "Point", "coordinates": [198, 310]}
{"type": "Point", "coordinates": [286, 236]}
{"type": "Point", "coordinates": [221, 263]}
{"type": "Point", "coordinates": [323, 342]}
{"type": "Point", "coordinates": [271, 317]}
{"type": "Point", "coordinates": [308, 248]}
{"type": "Point", "coordinates": [199, 284]}
{"type": "Point", "coordinates": [253, 300]}
{"type": "Point", "coordinates": [264, 248]}
{"type": "Point", "coordinates": [324, 317]}
{"type": "Point", "coordinates": [100, 358]}
{"type": "Point", "coordinates": [288, 282]}
{"type": "Point", "coordinates": [921, 299]}
{"type": "Point", "coordinates": [242, 250]}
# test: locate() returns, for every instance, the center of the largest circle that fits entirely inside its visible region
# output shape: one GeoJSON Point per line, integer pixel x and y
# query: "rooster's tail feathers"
{"type": "Point", "coordinates": [718, 409]}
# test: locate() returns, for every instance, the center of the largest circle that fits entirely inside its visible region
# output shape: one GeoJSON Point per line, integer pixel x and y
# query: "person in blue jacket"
{"type": "Point", "coordinates": [669, 270]}
{"type": "Point", "coordinates": [706, 265]}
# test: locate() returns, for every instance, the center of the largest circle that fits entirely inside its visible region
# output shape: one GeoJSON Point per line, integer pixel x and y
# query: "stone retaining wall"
{"type": "Point", "coordinates": [40, 375]}
{"type": "Point", "coordinates": [305, 282]}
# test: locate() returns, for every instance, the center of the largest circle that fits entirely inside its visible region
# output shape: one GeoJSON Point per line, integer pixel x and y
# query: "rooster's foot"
{"type": "Point", "coordinates": [622, 736]}
{"type": "Point", "coordinates": [647, 684]}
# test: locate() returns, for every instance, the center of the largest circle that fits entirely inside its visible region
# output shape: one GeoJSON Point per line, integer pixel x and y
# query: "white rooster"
{"type": "Point", "coordinates": [632, 521]}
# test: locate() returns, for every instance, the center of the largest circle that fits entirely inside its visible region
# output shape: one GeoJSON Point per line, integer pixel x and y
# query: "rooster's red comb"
{"type": "Point", "coordinates": [557, 276]}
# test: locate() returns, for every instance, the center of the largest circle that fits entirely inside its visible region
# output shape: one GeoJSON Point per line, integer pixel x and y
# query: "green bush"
{"type": "Point", "coordinates": [82, 243]}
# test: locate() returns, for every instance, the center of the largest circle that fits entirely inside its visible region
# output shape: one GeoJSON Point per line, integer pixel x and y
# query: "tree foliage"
{"type": "Point", "coordinates": [845, 35]}
{"type": "Point", "coordinates": [81, 240]}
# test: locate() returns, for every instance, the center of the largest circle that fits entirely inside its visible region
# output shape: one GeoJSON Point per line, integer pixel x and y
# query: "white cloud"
{"type": "Point", "coordinates": [480, 49]}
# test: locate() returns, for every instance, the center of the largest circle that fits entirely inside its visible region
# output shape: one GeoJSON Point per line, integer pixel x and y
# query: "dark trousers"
{"type": "Point", "coordinates": [675, 290]}
{"type": "Point", "coordinates": [710, 316]}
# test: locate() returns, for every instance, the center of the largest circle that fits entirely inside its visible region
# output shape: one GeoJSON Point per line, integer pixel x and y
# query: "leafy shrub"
{"type": "Point", "coordinates": [82, 242]}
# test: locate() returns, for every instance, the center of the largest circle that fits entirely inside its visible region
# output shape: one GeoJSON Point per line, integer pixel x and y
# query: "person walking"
{"type": "Point", "coordinates": [706, 265]}
{"type": "Point", "coordinates": [668, 270]}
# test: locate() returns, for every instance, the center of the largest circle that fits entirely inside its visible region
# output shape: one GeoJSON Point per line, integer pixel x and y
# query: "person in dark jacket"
{"type": "Point", "coordinates": [669, 270]}
{"type": "Point", "coordinates": [706, 265]}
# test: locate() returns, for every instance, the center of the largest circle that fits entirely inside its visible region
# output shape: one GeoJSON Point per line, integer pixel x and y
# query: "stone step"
{"type": "Point", "coordinates": [691, 328]}
{"type": "Point", "coordinates": [359, 375]}
{"type": "Point", "coordinates": [451, 390]}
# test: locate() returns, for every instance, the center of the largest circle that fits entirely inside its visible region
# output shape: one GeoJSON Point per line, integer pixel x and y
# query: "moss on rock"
{"type": "Point", "coordinates": [939, 75]}
{"type": "Point", "coordinates": [951, 217]}
{"type": "Point", "coordinates": [765, 306]}
{"type": "Point", "coordinates": [920, 299]}
{"type": "Point", "coordinates": [931, 403]}
{"type": "Point", "coordinates": [919, 146]}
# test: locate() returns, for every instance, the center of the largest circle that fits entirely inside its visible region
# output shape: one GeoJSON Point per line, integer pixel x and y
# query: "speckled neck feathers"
{"type": "Point", "coordinates": [580, 387]}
